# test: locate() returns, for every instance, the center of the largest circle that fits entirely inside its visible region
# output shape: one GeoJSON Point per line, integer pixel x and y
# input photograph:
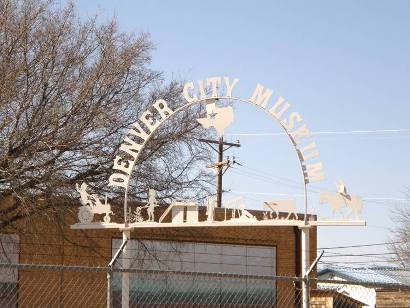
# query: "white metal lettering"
{"type": "Point", "coordinates": [313, 173]}
{"type": "Point", "coordinates": [278, 113]}
{"type": "Point", "coordinates": [290, 122]}
{"type": "Point", "coordinates": [259, 97]}
{"type": "Point", "coordinates": [202, 93]}
{"type": "Point", "coordinates": [118, 179]}
{"type": "Point", "coordinates": [214, 83]}
{"type": "Point", "coordinates": [138, 131]}
{"type": "Point", "coordinates": [230, 86]}
{"type": "Point", "coordinates": [123, 165]}
{"type": "Point", "coordinates": [189, 98]}
{"type": "Point", "coordinates": [148, 119]}
{"type": "Point", "coordinates": [301, 132]}
{"type": "Point", "coordinates": [130, 147]}
{"type": "Point", "coordinates": [162, 107]}
{"type": "Point", "coordinates": [309, 151]}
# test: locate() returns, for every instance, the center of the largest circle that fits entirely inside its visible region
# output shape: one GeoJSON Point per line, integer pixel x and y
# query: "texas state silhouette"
{"type": "Point", "coordinates": [218, 118]}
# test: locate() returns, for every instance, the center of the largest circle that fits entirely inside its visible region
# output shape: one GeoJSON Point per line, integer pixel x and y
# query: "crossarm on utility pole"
{"type": "Point", "coordinates": [220, 164]}
{"type": "Point", "coordinates": [217, 142]}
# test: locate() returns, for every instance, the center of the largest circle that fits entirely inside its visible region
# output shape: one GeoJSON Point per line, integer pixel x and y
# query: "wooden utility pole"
{"type": "Point", "coordinates": [220, 164]}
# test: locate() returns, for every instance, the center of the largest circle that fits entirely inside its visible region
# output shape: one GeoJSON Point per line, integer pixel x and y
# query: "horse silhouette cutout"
{"type": "Point", "coordinates": [339, 201]}
{"type": "Point", "coordinates": [278, 206]}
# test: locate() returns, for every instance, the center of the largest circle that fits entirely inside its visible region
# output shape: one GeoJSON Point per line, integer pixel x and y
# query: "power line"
{"type": "Point", "coordinates": [359, 262]}
{"type": "Point", "coordinates": [388, 199]}
{"type": "Point", "coordinates": [367, 199]}
{"type": "Point", "coordinates": [347, 259]}
{"type": "Point", "coordinates": [347, 132]}
{"type": "Point", "coordinates": [268, 177]}
{"type": "Point", "coordinates": [269, 174]}
{"type": "Point", "coordinates": [264, 178]}
{"type": "Point", "coordinates": [395, 261]}
{"type": "Point", "coordinates": [264, 193]}
{"type": "Point", "coordinates": [355, 268]}
{"type": "Point", "coordinates": [360, 255]}
{"type": "Point", "coordinates": [363, 245]}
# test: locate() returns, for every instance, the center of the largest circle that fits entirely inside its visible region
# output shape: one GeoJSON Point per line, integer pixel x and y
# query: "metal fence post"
{"type": "Point", "coordinates": [307, 300]}
{"type": "Point", "coordinates": [125, 296]}
{"type": "Point", "coordinates": [305, 265]}
{"type": "Point", "coordinates": [109, 288]}
{"type": "Point", "coordinates": [110, 267]}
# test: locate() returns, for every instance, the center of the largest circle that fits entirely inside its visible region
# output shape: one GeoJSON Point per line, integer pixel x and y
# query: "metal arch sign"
{"type": "Point", "coordinates": [137, 136]}
{"type": "Point", "coordinates": [221, 88]}
{"type": "Point", "coordinates": [219, 118]}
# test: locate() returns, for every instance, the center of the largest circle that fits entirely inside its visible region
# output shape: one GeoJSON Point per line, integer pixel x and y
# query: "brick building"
{"type": "Point", "coordinates": [238, 250]}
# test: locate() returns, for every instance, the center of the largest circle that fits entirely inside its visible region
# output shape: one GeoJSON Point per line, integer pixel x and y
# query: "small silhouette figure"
{"type": "Point", "coordinates": [210, 208]}
{"type": "Point", "coordinates": [341, 189]}
{"type": "Point", "coordinates": [92, 205]}
{"type": "Point", "coordinates": [151, 205]}
{"type": "Point", "coordinates": [85, 199]}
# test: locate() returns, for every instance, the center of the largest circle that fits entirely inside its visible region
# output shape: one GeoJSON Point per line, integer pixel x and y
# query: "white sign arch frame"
{"type": "Point", "coordinates": [259, 99]}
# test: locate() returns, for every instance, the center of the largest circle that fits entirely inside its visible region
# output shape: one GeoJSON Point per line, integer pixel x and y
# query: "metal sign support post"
{"type": "Point", "coordinates": [305, 264]}
{"type": "Point", "coordinates": [305, 229]}
{"type": "Point", "coordinates": [109, 289]}
{"type": "Point", "coordinates": [110, 267]}
{"type": "Point", "coordinates": [126, 234]}
{"type": "Point", "coordinates": [125, 295]}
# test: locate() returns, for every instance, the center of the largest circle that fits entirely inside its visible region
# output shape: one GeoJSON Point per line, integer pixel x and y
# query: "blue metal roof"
{"type": "Point", "coordinates": [379, 274]}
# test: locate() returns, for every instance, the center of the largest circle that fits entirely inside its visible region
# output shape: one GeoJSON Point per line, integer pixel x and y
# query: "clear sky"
{"type": "Point", "coordinates": [344, 65]}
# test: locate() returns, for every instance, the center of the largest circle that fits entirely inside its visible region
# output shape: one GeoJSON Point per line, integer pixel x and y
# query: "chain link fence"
{"type": "Point", "coordinates": [52, 286]}
{"type": "Point", "coordinates": [342, 293]}
{"type": "Point", "coordinates": [76, 286]}
{"type": "Point", "coordinates": [193, 289]}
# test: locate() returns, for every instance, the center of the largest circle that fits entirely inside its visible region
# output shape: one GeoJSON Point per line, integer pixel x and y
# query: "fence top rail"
{"type": "Point", "coordinates": [107, 269]}
{"type": "Point", "coordinates": [55, 267]}
{"type": "Point", "coordinates": [213, 274]}
{"type": "Point", "coordinates": [364, 284]}
{"type": "Point", "coordinates": [139, 271]}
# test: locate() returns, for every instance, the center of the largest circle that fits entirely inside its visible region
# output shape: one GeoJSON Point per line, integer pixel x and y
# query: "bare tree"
{"type": "Point", "coordinates": [68, 91]}
{"type": "Point", "coordinates": [401, 234]}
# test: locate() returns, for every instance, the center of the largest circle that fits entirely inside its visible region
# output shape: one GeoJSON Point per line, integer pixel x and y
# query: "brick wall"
{"type": "Point", "coordinates": [393, 298]}
{"type": "Point", "coordinates": [53, 242]}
